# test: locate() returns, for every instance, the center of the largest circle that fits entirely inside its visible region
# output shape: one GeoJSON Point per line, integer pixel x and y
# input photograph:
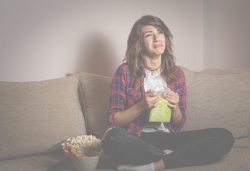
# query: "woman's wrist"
{"type": "Point", "coordinates": [175, 107]}
{"type": "Point", "coordinates": [140, 107]}
{"type": "Point", "coordinates": [176, 116]}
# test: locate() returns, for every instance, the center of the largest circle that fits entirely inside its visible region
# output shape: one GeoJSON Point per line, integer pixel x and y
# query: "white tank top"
{"type": "Point", "coordinates": [155, 82]}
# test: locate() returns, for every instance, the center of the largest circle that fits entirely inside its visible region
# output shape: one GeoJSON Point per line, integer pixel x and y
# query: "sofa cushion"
{"type": "Point", "coordinates": [31, 163]}
{"type": "Point", "coordinates": [219, 98]}
{"type": "Point", "coordinates": [237, 159]}
{"type": "Point", "coordinates": [36, 116]}
{"type": "Point", "coordinates": [94, 99]}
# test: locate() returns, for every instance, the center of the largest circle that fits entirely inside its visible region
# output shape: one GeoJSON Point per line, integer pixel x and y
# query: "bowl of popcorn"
{"type": "Point", "coordinates": [83, 151]}
{"type": "Point", "coordinates": [84, 142]}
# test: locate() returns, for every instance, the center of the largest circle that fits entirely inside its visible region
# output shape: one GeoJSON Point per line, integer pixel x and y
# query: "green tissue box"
{"type": "Point", "coordinates": [161, 113]}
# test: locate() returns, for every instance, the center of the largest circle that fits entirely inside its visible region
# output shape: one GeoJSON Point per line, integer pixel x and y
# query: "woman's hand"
{"type": "Point", "coordinates": [173, 99]}
{"type": "Point", "coordinates": [149, 100]}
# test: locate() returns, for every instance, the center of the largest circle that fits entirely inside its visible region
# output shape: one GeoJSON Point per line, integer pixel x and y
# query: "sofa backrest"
{"type": "Point", "coordinates": [215, 98]}
{"type": "Point", "coordinates": [36, 117]}
{"type": "Point", "coordinates": [219, 98]}
{"type": "Point", "coordinates": [94, 91]}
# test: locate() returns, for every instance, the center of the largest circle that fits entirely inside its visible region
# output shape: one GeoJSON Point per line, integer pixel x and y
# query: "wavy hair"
{"type": "Point", "coordinates": [134, 59]}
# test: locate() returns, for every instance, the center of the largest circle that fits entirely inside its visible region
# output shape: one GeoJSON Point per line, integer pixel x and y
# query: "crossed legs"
{"type": "Point", "coordinates": [189, 148]}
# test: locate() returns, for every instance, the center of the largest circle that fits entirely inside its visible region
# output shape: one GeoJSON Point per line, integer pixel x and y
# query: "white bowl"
{"type": "Point", "coordinates": [88, 163]}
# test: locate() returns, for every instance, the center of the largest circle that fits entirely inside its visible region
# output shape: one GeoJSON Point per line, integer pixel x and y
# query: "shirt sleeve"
{"type": "Point", "coordinates": [117, 97]}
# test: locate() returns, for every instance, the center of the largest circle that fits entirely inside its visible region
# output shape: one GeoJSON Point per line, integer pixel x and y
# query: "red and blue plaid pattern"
{"type": "Point", "coordinates": [124, 95]}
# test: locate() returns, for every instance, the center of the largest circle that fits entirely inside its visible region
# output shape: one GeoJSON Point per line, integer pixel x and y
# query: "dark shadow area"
{"type": "Point", "coordinates": [96, 55]}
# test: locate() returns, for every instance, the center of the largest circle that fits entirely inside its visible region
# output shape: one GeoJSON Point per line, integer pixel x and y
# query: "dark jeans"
{"type": "Point", "coordinates": [190, 148]}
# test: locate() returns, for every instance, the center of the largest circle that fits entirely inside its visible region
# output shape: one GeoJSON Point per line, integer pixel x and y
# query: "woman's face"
{"type": "Point", "coordinates": [153, 41]}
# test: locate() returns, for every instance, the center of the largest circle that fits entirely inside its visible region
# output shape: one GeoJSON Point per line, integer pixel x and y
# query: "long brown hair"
{"type": "Point", "coordinates": [134, 45]}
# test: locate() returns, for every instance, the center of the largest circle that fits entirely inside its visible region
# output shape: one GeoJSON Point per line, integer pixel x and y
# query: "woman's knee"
{"type": "Point", "coordinates": [114, 143]}
{"type": "Point", "coordinates": [226, 138]}
{"type": "Point", "coordinates": [115, 133]}
{"type": "Point", "coordinates": [226, 135]}
{"type": "Point", "coordinates": [113, 136]}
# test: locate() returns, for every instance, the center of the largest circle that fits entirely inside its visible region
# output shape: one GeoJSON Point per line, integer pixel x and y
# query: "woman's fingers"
{"type": "Point", "coordinates": [172, 106]}
{"type": "Point", "coordinates": [172, 97]}
{"type": "Point", "coordinates": [152, 100]}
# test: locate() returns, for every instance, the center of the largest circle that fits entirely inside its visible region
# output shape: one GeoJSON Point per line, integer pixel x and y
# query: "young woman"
{"type": "Point", "coordinates": [134, 143]}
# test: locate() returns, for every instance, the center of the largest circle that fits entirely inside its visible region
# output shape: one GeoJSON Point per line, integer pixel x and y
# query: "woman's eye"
{"type": "Point", "coordinates": [160, 32]}
{"type": "Point", "coordinates": [147, 35]}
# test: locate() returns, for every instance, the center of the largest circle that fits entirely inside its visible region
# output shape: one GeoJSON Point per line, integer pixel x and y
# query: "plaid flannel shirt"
{"type": "Point", "coordinates": [124, 95]}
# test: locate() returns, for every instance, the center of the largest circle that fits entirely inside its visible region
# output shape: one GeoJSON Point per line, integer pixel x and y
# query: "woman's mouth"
{"type": "Point", "coordinates": [157, 46]}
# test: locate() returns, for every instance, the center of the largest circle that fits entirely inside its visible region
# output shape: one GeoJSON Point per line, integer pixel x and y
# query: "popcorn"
{"type": "Point", "coordinates": [84, 142]}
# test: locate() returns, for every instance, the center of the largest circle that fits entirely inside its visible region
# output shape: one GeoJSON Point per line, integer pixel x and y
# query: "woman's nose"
{"type": "Point", "coordinates": [156, 37]}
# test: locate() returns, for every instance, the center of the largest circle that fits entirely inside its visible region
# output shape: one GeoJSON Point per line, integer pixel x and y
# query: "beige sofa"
{"type": "Point", "coordinates": [35, 117]}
